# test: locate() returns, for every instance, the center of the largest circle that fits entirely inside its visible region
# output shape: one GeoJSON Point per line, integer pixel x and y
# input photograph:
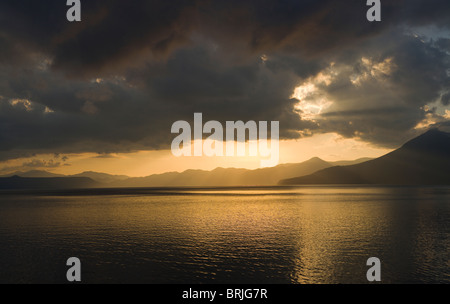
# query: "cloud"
{"type": "Point", "coordinates": [110, 31]}
{"type": "Point", "coordinates": [35, 164]}
{"type": "Point", "coordinates": [378, 93]}
{"type": "Point", "coordinates": [114, 35]}
{"type": "Point", "coordinates": [445, 99]}
{"type": "Point", "coordinates": [118, 80]}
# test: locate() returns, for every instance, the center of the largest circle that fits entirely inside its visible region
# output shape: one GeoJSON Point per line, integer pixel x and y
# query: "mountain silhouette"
{"type": "Point", "coordinates": [222, 177]}
{"type": "Point", "coordinates": [103, 178]}
{"type": "Point", "coordinates": [47, 183]}
{"type": "Point", "coordinates": [425, 160]}
{"type": "Point", "coordinates": [229, 177]}
{"type": "Point", "coordinates": [33, 173]}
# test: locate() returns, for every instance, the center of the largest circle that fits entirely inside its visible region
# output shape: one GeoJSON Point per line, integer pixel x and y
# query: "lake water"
{"type": "Point", "coordinates": [242, 235]}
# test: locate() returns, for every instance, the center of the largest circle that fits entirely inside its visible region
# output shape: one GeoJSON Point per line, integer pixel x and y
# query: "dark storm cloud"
{"type": "Point", "coordinates": [116, 33]}
{"type": "Point", "coordinates": [111, 30]}
{"type": "Point", "coordinates": [446, 99]}
{"type": "Point", "coordinates": [136, 112]}
{"type": "Point", "coordinates": [117, 81]}
{"type": "Point", "coordinates": [444, 44]}
{"type": "Point", "coordinates": [380, 92]}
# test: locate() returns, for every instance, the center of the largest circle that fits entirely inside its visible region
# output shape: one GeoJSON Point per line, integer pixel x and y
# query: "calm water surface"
{"type": "Point", "coordinates": [248, 235]}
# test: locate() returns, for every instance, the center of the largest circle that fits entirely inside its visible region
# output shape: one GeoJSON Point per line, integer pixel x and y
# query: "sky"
{"type": "Point", "coordinates": [103, 93]}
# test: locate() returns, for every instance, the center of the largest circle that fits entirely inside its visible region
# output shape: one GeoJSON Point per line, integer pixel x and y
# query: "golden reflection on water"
{"type": "Point", "coordinates": [286, 235]}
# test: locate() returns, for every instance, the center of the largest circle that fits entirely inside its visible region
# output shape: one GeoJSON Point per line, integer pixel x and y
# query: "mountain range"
{"type": "Point", "coordinates": [47, 183]}
{"type": "Point", "coordinates": [190, 178]}
{"type": "Point", "coordinates": [102, 178]}
{"type": "Point", "coordinates": [425, 160]}
{"type": "Point", "coordinates": [228, 177]}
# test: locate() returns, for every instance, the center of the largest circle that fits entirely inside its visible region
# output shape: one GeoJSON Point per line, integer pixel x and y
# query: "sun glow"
{"type": "Point", "coordinates": [312, 101]}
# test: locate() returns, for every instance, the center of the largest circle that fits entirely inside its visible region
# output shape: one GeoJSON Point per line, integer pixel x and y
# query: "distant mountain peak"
{"type": "Point", "coordinates": [433, 141]}
{"type": "Point", "coordinates": [316, 159]}
{"type": "Point", "coordinates": [435, 132]}
{"type": "Point", "coordinates": [424, 160]}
